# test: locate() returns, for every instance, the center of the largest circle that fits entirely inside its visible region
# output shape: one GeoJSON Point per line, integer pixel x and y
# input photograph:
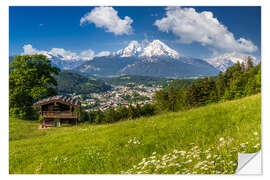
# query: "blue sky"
{"type": "Point", "coordinates": [192, 31]}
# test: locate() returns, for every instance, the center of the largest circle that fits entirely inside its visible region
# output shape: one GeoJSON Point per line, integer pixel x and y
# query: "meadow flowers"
{"type": "Point", "coordinates": [193, 161]}
{"type": "Point", "coordinates": [218, 158]}
{"type": "Point", "coordinates": [134, 141]}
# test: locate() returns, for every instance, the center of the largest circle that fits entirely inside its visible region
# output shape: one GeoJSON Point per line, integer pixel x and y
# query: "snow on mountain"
{"type": "Point", "coordinates": [152, 49]}
{"type": "Point", "coordinates": [148, 52]}
{"type": "Point", "coordinates": [226, 60]}
{"type": "Point", "coordinates": [148, 59]}
{"type": "Point", "coordinates": [133, 49]}
{"type": "Point", "coordinates": [158, 48]}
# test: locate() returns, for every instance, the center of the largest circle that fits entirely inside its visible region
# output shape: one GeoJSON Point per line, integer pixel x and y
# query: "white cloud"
{"type": "Point", "coordinates": [67, 55]}
{"type": "Point", "coordinates": [63, 54]}
{"type": "Point", "coordinates": [107, 17]}
{"type": "Point", "coordinates": [87, 54]}
{"type": "Point", "coordinates": [103, 53]}
{"type": "Point", "coordinates": [28, 49]}
{"type": "Point", "coordinates": [191, 26]}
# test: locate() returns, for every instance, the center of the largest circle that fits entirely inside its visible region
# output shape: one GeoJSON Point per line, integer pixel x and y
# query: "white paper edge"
{"type": "Point", "coordinates": [249, 164]}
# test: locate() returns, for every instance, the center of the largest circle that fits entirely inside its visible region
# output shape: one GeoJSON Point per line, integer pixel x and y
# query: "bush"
{"type": "Point", "coordinates": [26, 113]}
{"type": "Point", "coordinates": [114, 115]}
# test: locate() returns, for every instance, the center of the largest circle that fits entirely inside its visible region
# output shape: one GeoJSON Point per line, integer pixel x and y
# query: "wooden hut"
{"type": "Point", "coordinates": [57, 110]}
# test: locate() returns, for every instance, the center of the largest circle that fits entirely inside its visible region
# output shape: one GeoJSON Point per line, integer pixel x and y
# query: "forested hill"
{"type": "Point", "coordinates": [238, 81]}
{"type": "Point", "coordinates": [70, 82]}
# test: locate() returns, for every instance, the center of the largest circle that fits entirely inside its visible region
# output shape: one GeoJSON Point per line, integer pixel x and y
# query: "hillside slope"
{"type": "Point", "coordinates": [69, 82]}
{"type": "Point", "coordinates": [201, 140]}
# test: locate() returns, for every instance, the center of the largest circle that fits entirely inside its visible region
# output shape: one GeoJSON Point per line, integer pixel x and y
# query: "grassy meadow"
{"type": "Point", "coordinates": [202, 140]}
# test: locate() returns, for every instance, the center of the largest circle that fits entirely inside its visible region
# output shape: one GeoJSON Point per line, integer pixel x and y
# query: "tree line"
{"type": "Point", "coordinates": [113, 115]}
{"type": "Point", "coordinates": [238, 81]}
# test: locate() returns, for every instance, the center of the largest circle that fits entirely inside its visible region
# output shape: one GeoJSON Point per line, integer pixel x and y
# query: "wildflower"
{"type": "Point", "coordinates": [208, 156]}
{"type": "Point", "coordinates": [221, 139]}
{"type": "Point", "coordinates": [172, 164]}
{"type": "Point", "coordinates": [255, 133]}
{"type": "Point", "coordinates": [198, 165]}
{"type": "Point", "coordinates": [243, 144]}
{"type": "Point", "coordinates": [182, 153]}
{"type": "Point", "coordinates": [154, 153]}
{"type": "Point", "coordinates": [153, 157]}
{"type": "Point", "coordinates": [257, 145]}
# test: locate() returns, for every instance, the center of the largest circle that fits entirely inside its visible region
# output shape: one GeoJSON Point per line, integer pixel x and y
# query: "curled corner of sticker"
{"type": "Point", "coordinates": [249, 164]}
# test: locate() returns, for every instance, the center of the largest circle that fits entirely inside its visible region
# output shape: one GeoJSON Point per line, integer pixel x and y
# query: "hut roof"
{"type": "Point", "coordinates": [59, 98]}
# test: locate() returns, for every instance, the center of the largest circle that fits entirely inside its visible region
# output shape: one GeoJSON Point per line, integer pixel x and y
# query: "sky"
{"type": "Point", "coordinates": [86, 32]}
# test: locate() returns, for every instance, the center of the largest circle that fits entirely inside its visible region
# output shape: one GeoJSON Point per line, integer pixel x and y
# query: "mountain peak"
{"type": "Point", "coordinates": [133, 48]}
{"type": "Point", "coordinates": [158, 48]}
{"type": "Point", "coordinates": [156, 41]}
{"type": "Point", "coordinates": [226, 60]}
{"type": "Point", "coordinates": [154, 48]}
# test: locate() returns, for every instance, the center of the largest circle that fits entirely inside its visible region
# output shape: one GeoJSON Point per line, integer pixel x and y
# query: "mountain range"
{"type": "Point", "coordinates": [226, 60]}
{"type": "Point", "coordinates": [149, 59]}
{"type": "Point", "coordinates": [152, 59]}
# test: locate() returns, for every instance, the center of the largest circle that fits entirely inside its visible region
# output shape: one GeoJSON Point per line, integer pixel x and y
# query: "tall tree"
{"type": "Point", "coordinates": [30, 78]}
{"type": "Point", "coordinates": [172, 98]}
{"type": "Point", "coordinates": [249, 63]}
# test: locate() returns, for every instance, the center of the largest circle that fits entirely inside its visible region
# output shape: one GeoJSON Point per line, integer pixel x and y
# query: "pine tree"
{"type": "Point", "coordinates": [249, 63]}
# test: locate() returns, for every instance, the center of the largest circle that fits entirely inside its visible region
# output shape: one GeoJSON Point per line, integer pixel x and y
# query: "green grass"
{"type": "Point", "coordinates": [201, 140]}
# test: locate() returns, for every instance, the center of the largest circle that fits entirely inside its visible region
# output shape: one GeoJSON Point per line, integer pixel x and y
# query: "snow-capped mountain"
{"type": "Point", "coordinates": [151, 59]}
{"type": "Point", "coordinates": [62, 63]}
{"type": "Point", "coordinates": [146, 51]}
{"type": "Point", "coordinates": [133, 49]}
{"type": "Point", "coordinates": [226, 60]}
{"type": "Point", "coordinates": [152, 49]}
{"type": "Point", "coordinates": [158, 48]}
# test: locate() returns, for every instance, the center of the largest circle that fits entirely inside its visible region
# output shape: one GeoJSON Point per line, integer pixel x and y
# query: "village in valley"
{"type": "Point", "coordinates": [120, 95]}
